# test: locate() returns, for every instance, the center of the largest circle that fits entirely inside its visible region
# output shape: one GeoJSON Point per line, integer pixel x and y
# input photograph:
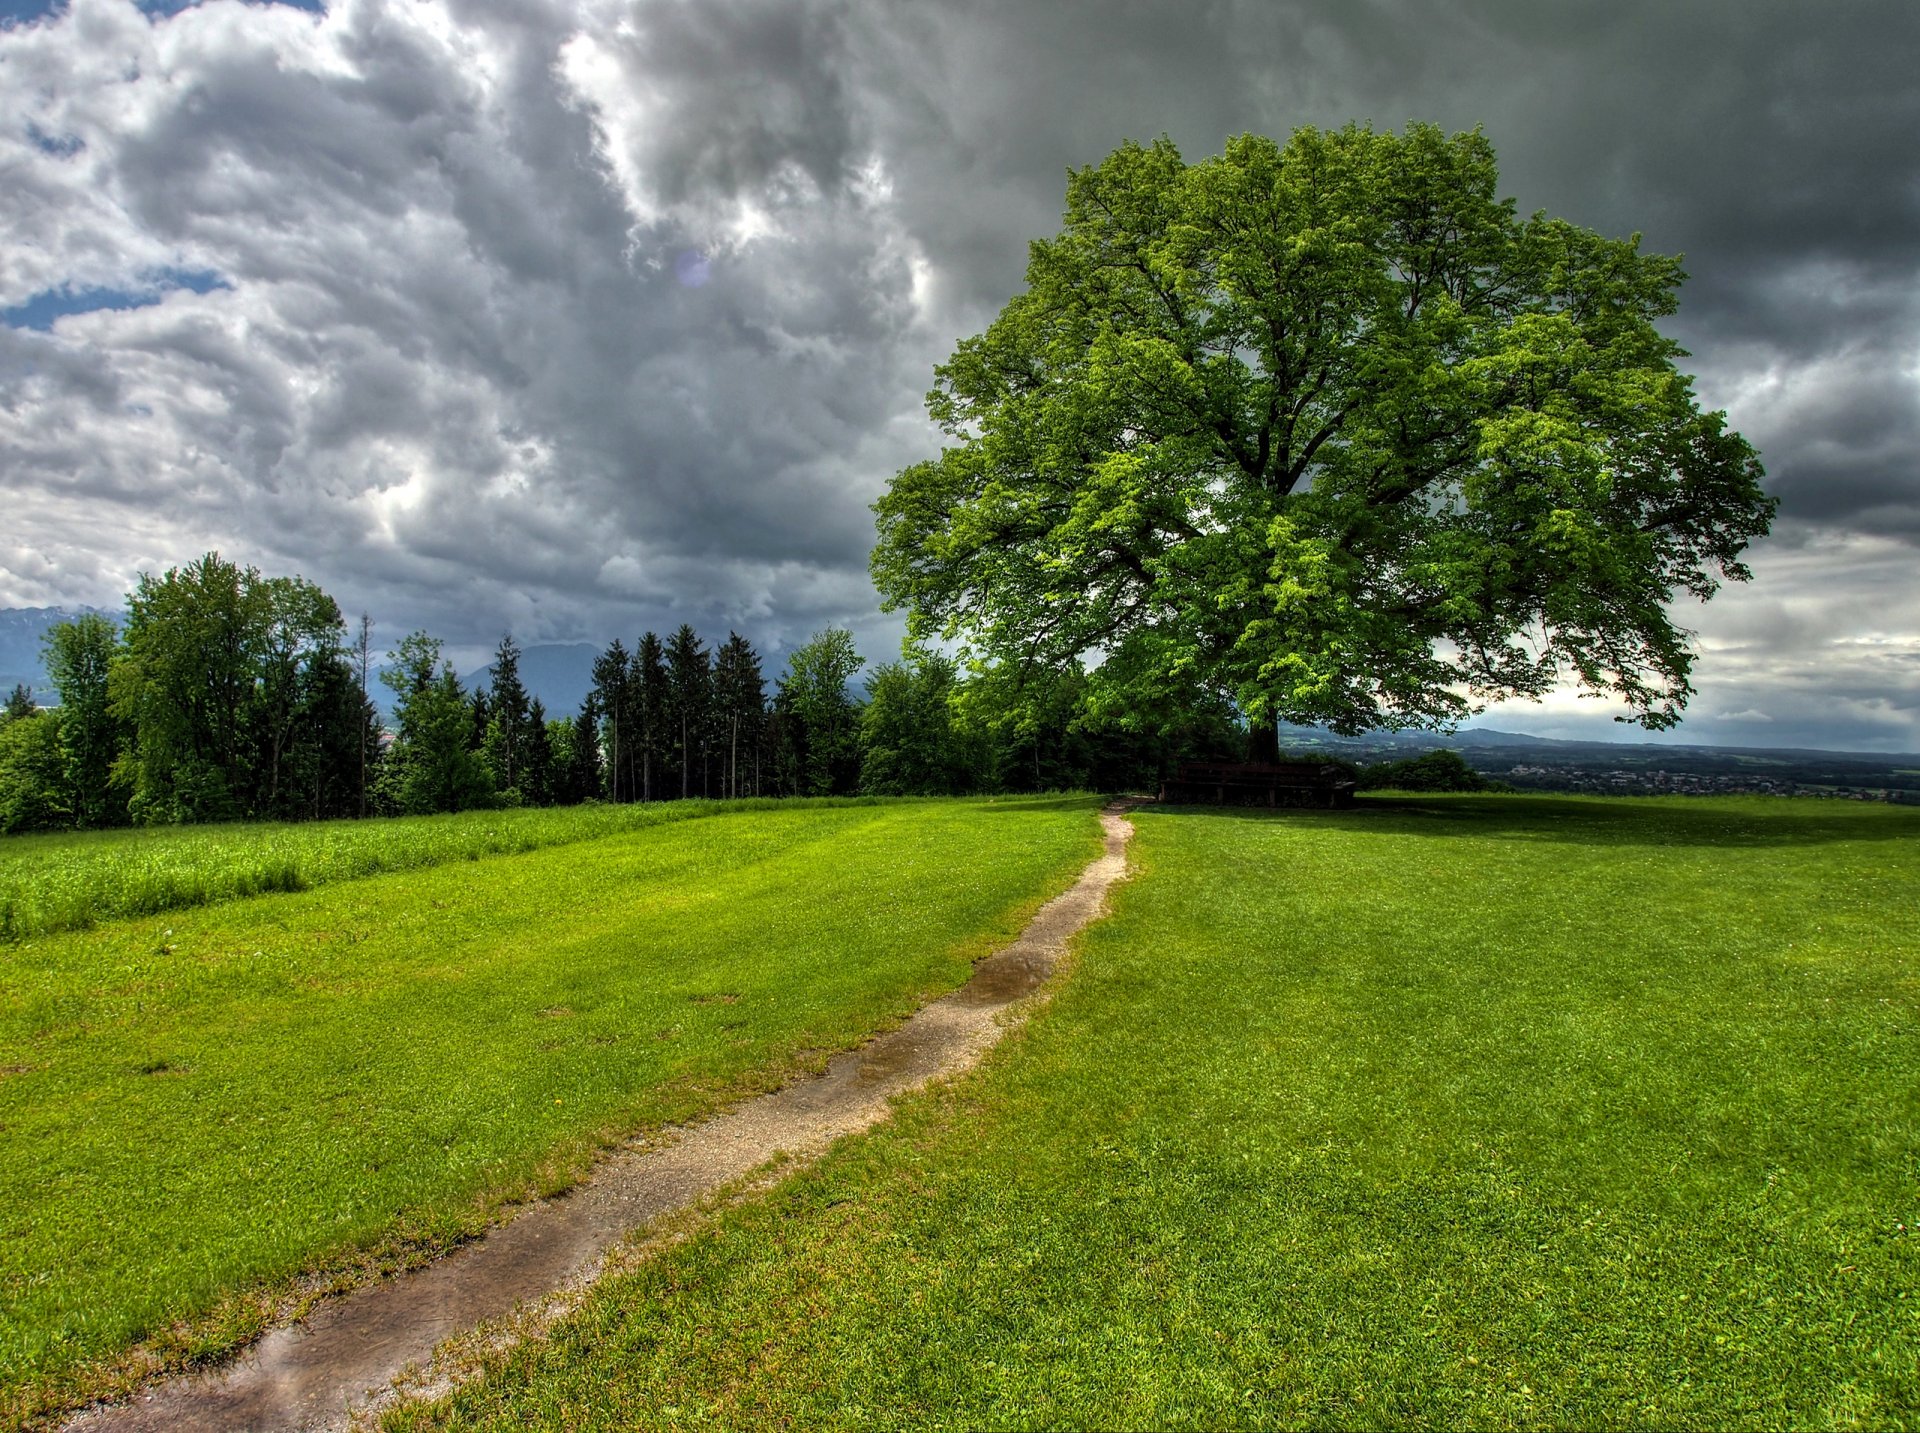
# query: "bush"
{"type": "Point", "coordinates": [1442, 770]}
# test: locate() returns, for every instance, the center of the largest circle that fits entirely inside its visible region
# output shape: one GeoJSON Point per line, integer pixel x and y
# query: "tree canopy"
{"type": "Point", "coordinates": [1325, 429]}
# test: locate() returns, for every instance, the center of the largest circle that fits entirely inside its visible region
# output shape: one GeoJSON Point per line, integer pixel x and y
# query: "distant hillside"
{"type": "Point", "coordinates": [1539, 763]}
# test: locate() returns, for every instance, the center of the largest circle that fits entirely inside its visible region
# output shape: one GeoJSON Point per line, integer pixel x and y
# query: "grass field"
{"type": "Point", "coordinates": [1447, 1112]}
{"type": "Point", "coordinates": [71, 882]}
{"type": "Point", "coordinates": [215, 1100]}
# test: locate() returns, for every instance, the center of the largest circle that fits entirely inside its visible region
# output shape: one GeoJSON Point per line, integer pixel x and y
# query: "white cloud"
{"type": "Point", "coordinates": [521, 324]}
{"type": "Point", "coordinates": [585, 315]}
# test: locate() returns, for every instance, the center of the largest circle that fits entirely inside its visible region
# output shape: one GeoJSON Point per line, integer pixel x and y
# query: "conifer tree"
{"type": "Point", "coordinates": [652, 697]}
{"type": "Point", "coordinates": [511, 725]}
{"type": "Point", "coordinates": [689, 689]}
{"type": "Point", "coordinates": [612, 679]}
{"type": "Point", "coordinates": [740, 700]}
{"type": "Point", "coordinates": [536, 757]}
{"type": "Point", "coordinates": [583, 765]}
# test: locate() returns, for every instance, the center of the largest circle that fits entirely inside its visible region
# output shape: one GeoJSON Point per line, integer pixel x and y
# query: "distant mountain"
{"type": "Point", "coordinates": [21, 629]}
{"type": "Point", "coordinates": [1487, 736]}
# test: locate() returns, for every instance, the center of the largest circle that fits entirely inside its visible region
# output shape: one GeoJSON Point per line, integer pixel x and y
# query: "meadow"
{"type": "Point", "coordinates": [1444, 1112]}
{"type": "Point", "coordinates": [52, 883]}
{"type": "Point", "coordinates": [209, 1114]}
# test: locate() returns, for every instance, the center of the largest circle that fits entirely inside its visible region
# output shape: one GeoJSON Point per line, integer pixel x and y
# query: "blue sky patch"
{"type": "Point", "coordinates": [63, 145]}
{"type": "Point", "coordinates": [43, 308]}
{"type": "Point", "coordinates": [25, 12]}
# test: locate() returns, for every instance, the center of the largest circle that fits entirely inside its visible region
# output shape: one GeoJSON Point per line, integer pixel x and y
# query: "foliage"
{"type": "Point", "coordinates": [583, 764]}
{"type": "Point", "coordinates": [740, 706]}
{"type": "Point", "coordinates": [33, 784]}
{"type": "Point", "coordinates": [433, 766]}
{"type": "Point", "coordinates": [229, 682]}
{"type": "Point", "coordinates": [910, 742]}
{"type": "Point", "coordinates": [233, 691]}
{"type": "Point", "coordinates": [515, 739]}
{"type": "Point", "coordinates": [1442, 770]}
{"type": "Point", "coordinates": [79, 658]}
{"type": "Point", "coordinates": [1325, 428]}
{"type": "Point", "coordinates": [1477, 1112]}
{"type": "Point", "coordinates": [689, 705]}
{"type": "Point", "coordinates": [199, 1103]}
{"type": "Point", "coordinates": [652, 701]}
{"type": "Point", "coordinates": [820, 722]}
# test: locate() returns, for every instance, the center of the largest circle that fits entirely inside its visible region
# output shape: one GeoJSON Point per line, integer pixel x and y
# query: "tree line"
{"type": "Point", "coordinates": [229, 695]}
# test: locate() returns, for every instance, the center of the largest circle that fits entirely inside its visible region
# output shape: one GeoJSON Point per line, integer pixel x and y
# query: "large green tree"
{"type": "Point", "coordinates": [237, 693]}
{"type": "Point", "coordinates": [1325, 427]}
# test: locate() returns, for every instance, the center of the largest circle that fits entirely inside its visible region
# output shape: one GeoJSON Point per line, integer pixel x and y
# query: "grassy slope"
{"type": "Point", "coordinates": [1460, 1112]}
{"type": "Point", "coordinates": [72, 881]}
{"type": "Point", "coordinates": [213, 1098]}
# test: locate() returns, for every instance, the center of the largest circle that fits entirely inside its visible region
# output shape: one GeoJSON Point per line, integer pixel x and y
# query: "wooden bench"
{"type": "Point", "coordinates": [1285, 783]}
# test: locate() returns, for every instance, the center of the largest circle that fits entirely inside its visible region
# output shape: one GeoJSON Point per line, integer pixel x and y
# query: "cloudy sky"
{"type": "Point", "coordinates": [583, 316]}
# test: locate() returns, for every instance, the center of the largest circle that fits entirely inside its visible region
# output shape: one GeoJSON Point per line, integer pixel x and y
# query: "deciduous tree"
{"type": "Point", "coordinates": [433, 766]}
{"type": "Point", "coordinates": [820, 722]}
{"type": "Point", "coordinates": [79, 657]}
{"type": "Point", "coordinates": [1326, 427]}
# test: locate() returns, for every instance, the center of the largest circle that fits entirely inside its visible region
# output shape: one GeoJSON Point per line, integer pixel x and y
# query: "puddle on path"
{"type": "Point", "coordinates": [313, 1374]}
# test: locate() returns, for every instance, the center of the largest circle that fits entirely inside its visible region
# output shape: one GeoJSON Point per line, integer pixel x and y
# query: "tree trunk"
{"type": "Point", "coordinates": [1263, 741]}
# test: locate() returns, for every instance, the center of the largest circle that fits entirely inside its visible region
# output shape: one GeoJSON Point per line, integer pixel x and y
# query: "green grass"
{"type": "Point", "coordinates": [1445, 1112]}
{"type": "Point", "coordinates": [73, 881]}
{"type": "Point", "coordinates": [216, 1100]}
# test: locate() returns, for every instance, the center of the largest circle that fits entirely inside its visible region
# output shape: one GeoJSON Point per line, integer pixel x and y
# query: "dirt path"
{"type": "Point", "coordinates": [313, 1374]}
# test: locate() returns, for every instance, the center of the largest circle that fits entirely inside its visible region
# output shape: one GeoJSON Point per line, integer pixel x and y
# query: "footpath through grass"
{"type": "Point", "coordinates": [73, 881]}
{"type": "Point", "coordinates": [215, 1100]}
{"type": "Point", "coordinates": [1453, 1112]}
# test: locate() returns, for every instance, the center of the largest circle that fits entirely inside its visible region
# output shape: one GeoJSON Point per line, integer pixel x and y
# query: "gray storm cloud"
{"type": "Point", "coordinates": [579, 318]}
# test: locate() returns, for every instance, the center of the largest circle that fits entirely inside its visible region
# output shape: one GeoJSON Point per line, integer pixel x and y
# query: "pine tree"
{"type": "Point", "coordinates": [652, 698]}
{"type": "Point", "coordinates": [583, 765]}
{"type": "Point", "coordinates": [536, 757]}
{"type": "Point", "coordinates": [690, 697]}
{"type": "Point", "coordinates": [511, 724]}
{"type": "Point", "coordinates": [740, 702]}
{"type": "Point", "coordinates": [612, 681]}
{"type": "Point", "coordinates": [369, 723]}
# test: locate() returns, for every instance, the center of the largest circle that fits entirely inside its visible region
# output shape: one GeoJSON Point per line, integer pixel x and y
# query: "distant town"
{"type": "Point", "coordinates": [1530, 763]}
